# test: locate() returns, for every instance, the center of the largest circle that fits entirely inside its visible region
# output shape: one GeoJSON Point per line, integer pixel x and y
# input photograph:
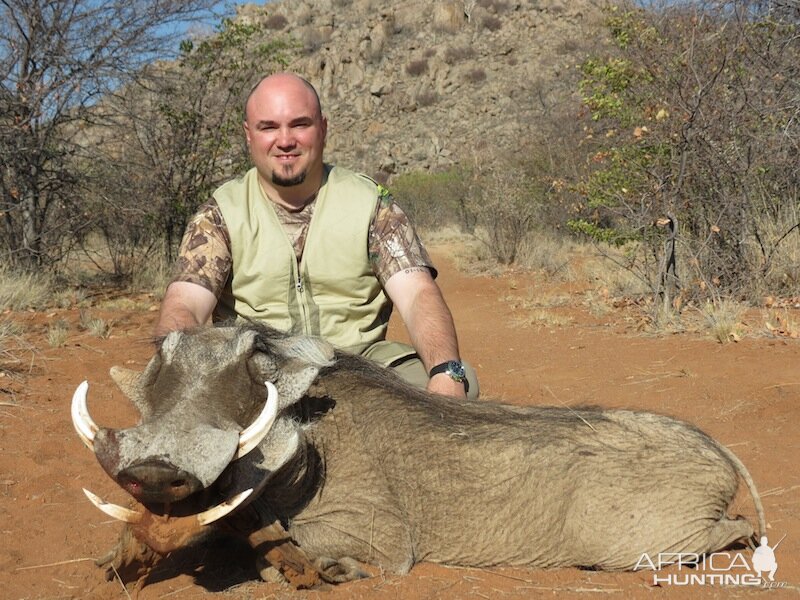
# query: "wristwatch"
{"type": "Point", "coordinates": [453, 368]}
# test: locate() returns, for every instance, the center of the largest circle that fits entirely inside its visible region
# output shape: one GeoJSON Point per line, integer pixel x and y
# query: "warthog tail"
{"type": "Point", "coordinates": [751, 486]}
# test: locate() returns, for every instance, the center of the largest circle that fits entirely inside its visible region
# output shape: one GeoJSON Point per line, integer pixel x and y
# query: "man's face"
{"type": "Point", "coordinates": [285, 132]}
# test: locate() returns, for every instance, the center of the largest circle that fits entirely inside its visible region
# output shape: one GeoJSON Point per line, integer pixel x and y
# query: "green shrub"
{"type": "Point", "coordinates": [434, 200]}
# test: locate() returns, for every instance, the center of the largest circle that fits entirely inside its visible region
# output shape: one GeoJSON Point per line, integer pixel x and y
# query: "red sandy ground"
{"type": "Point", "coordinates": [744, 394]}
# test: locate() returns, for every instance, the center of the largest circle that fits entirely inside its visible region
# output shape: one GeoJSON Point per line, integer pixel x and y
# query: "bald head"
{"type": "Point", "coordinates": [286, 134]}
{"type": "Point", "coordinates": [282, 81]}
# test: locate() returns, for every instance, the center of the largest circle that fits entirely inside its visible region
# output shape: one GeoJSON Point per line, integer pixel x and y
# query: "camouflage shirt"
{"type": "Point", "coordinates": [205, 253]}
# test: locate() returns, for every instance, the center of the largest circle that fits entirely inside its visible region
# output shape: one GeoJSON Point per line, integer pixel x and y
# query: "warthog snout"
{"type": "Point", "coordinates": [157, 481]}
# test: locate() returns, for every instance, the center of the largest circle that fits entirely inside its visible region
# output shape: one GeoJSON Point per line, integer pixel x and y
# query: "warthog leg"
{"type": "Point", "coordinates": [340, 570]}
{"type": "Point", "coordinates": [274, 545]}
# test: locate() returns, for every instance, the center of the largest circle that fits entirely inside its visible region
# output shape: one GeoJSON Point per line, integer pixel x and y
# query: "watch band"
{"type": "Point", "coordinates": [440, 368]}
{"type": "Point", "coordinates": [453, 368]}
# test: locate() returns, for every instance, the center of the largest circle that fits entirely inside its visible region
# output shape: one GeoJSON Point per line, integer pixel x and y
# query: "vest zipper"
{"type": "Point", "coordinates": [301, 300]}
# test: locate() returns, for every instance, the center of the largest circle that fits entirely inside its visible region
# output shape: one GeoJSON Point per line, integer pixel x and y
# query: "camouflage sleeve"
{"type": "Point", "coordinates": [204, 257]}
{"type": "Point", "coordinates": [393, 242]}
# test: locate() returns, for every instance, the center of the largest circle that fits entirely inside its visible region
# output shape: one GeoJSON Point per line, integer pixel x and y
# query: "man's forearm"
{"type": "Point", "coordinates": [174, 318]}
{"type": "Point", "coordinates": [184, 305]}
{"type": "Point", "coordinates": [431, 328]}
{"type": "Point", "coordinates": [433, 335]}
{"type": "Point", "coordinates": [429, 323]}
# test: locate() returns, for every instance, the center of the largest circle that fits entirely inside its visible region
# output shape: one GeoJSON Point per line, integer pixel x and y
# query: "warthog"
{"type": "Point", "coordinates": [344, 463]}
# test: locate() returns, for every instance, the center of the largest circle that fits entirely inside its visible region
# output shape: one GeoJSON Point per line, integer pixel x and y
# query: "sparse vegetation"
{"type": "Point", "coordinates": [276, 22]}
{"type": "Point", "coordinates": [724, 320]}
{"type": "Point", "coordinates": [457, 54]}
{"type": "Point", "coordinates": [783, 324]}
{"type": "Point", "coordinates": [688, 142]}
{"type": "Point", "coordinates": [13, 348]}
{"type": "Point", "coordinates": [23, 290]}
{"type": "Point", "coordinates": [417, 67]}
{"type": "Point", "coordinates": [491, 23]}
{"type": "Point", "coordinates": [95, 326]}
{"type": "Point", "coordinates": [435, 200]}
{"type": "Point", "coordinates": [608, 271]}
{"type": "Point", "coordinates": [427, 98]}
{"type": "Point", "coordinates": [475, 75]}
{"type": "Point", "coordinates": [55, 66]}
{"type": "Point", "coordinates": [541, 317]}
{"type": "Point", "coordinates": [665, 151]}
{"type": "Point", "coordinates": [57, 333]}
{"type": "Point", "coordinates": [548, 253]}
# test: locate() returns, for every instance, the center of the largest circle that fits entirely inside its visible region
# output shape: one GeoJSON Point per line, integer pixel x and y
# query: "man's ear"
{"type": "Point", "coordinates": [246, 132]}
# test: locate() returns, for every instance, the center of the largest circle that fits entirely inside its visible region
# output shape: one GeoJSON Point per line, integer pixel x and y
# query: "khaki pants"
{"type": "Point", "coordinates": [404, 361]}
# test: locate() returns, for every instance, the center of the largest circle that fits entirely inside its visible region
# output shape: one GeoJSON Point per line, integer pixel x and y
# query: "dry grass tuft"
{"type": "Point", "coordinates": [153, 279]}
{"type": "Point", "coordinates": [94, 325]}
{"type": "Point", "coordinates": [534, 310]}
{"type": "Point", "coordinates": [21, 291]}
{"type": "Point", "coordinates": [724, 320]}
{"type": "Point", "coordinates": [475, 258]}
{"type": "Point", "coordinates": [553, 256]}
{"type": "Point", "coordinates": [542, 317]}
{"type": "Point", "coordinates": [597, 303]}
{"type": "Point", "coordinates": [69, 297]}
{"type": "Point", "coordinates": [57, 333]}
{"type": "Point", "coordinates": [13, 348]}
{"type": "Point", "coordinates": [610, 278]}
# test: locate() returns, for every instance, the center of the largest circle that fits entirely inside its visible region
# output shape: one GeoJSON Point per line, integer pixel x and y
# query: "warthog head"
{"type": "Point", "coordinates": [203, 406]}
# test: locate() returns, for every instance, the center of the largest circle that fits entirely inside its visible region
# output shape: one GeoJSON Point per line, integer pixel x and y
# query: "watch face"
{"type": "Point", "coordinates": [456, 370]}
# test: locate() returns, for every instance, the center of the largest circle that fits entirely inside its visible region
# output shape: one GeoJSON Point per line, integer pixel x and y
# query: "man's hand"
{"type": "Point", "coordinates": [445, 385]}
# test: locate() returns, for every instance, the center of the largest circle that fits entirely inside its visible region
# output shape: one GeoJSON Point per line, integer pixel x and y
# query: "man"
{"type": "Point", "coordinates": [254, 251]}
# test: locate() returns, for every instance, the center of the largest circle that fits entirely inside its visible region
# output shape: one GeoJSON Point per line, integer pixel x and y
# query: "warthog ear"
{"type": "Point", "coordinates": [132, 383]}
{"type": "Point", "coordinates": [127, 381]}
{"type": "Point", "coordinates": [292, 364]}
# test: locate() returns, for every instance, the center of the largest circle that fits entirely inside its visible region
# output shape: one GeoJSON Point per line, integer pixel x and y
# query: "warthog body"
{"type": "Point", "coordinates": [360, 467]}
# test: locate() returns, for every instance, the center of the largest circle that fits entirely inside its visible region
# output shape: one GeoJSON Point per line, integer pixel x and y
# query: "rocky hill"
{"type": "Point", "coordinates": [421, 84]}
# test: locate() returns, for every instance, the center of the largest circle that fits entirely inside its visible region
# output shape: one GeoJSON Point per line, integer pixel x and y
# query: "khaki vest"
{"type": "Point", "coordinates": [333, 292]}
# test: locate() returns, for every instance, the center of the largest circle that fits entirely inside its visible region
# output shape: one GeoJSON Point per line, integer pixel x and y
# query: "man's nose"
{"type": "Point", "coordinates": [285, 138]}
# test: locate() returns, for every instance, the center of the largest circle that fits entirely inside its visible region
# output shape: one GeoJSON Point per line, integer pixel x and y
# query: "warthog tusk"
{"type": "Point", "coordinates": [83, 423]}
{"type": "Point", "coordinates": [204, 518]}
{"type": "Point", "coordinates": [250, 437]}
{"type": "Point", "coordinates": [113, 510]}
{"type": "Point", "coordinates": [220, 510]}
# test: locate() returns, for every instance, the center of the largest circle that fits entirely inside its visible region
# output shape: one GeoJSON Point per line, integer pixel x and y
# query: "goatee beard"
{"type": "Point", "coordinates": [288, 181]}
